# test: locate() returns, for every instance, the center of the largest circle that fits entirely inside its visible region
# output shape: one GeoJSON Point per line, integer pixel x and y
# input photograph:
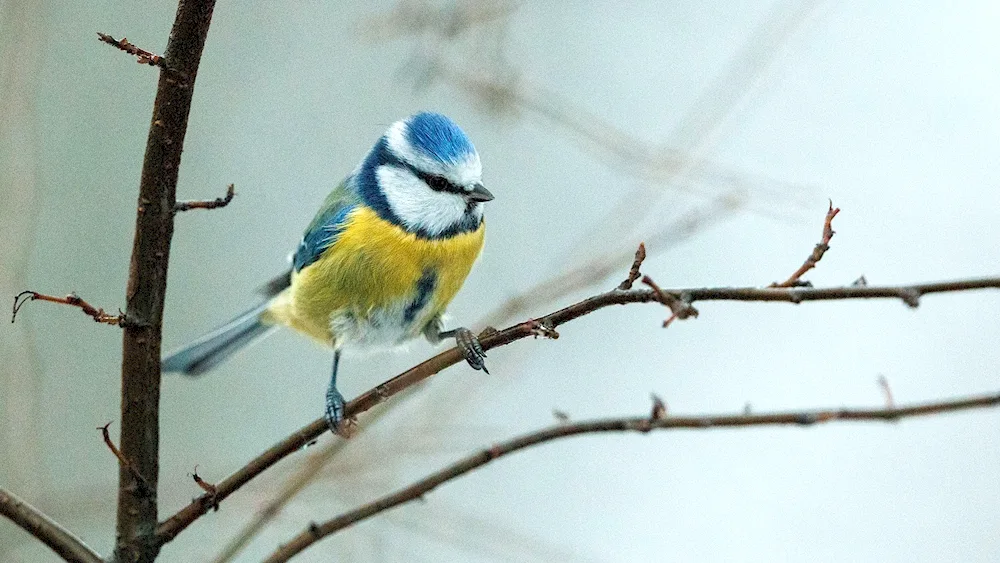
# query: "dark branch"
{"type": "Point", "coordinates": [795, 280]}
{"type": "Point", "coordinates": [33, 521]}
{"type": "Point", "coordinates": [207, 204]}
{"type": "Point", "coordinates": [169, 529]}
{"type": "Point", "coordinates": [143, 56]}
{"type": "Point", "coordinates": [147, 283]}
{"type": "Point", "coordinates": [316, 532]}
{"type": "Point", "coordinates": [73, 300]}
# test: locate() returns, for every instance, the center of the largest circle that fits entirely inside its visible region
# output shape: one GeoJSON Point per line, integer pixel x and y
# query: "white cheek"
{"type": "Point", "coordinates": [418, 206]}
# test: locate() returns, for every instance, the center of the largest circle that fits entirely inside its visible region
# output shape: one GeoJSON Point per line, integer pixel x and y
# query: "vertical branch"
{"type": "Point", "coordinates": [137, 509]}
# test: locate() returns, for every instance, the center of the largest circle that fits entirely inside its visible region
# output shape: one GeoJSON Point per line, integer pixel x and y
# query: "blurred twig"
{"type": "Point", "coordinates": [25, 29]}
{"type": "Point", "coordinates": [593, 271]}
{"type": "Point", "coordinates": [316, 532]}
{"type": "Point", "coordinates": [49, 532]}
{"type": "Point", "coordinates": [415, 17]}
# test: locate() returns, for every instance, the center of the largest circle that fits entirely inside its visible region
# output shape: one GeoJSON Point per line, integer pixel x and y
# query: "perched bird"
{"type": "Point", "coordinates": [385, 254]}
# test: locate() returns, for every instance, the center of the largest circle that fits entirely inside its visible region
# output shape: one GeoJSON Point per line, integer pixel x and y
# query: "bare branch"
{"type": "Point", "coordinates": [143, 56]}
{"type": "Point", "coordinates": [169, 529]}
{"type": "Point", "coordinates": [46, 530]}
{"type": "Point", "coordinates": [316, 532]}
{"type": "Point", "coordinates": [154, 226]}
{"type": "Point", "coordinates": [207, 204]}
{"type": "Point", "coordinates": [73, 300]}
{"type": "Point", "coordinates": [795, 280]}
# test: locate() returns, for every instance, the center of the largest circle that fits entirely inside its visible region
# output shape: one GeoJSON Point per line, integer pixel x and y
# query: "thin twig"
{"type": "Point", "coordinates": [633, 272]}
{"type": "Point", "coordinates": [46, 530]}
{"type": "Point", "coordinates": [169, 528]}
{"type": "Point", "coordinates": [795, 280]}
{"type": "Point", "coordinates": [143, 56]}
{"type": "Point", "coordinates": [204, 485]}
{"type": "Point", "coordinates": [207, 204]}
{"type": "Point", "coordinates": [122, 460]}
{"type": "Point", "coordinates": [316, 532]}
{"type": "Point", "coordinates": [73, 300]}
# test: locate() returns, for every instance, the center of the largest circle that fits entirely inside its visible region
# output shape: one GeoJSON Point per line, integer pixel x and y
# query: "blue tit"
{"type": "Point", "coordinates": [385, 254]}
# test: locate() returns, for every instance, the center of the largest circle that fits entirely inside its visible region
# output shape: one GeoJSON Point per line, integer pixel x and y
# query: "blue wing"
{"type": "Point", "coordinates": [326, 226]}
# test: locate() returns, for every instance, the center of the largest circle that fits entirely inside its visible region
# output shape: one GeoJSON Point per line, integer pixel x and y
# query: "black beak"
{"type": "Point", "coordinates": [479, 193]}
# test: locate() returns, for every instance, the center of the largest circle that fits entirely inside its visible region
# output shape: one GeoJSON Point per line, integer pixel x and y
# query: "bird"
{"type": "Point", "coordinates": [383, 257]}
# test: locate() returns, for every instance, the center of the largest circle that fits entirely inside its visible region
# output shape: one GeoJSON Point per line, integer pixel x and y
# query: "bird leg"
{"type": "Point", "coordinates": [334, 411]}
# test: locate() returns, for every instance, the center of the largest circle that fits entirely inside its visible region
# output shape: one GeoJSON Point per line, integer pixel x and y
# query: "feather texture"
{"type": "Point", "coordinates": [365, 283]}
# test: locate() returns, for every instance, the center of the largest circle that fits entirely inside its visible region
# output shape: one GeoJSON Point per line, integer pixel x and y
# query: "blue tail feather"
{"type": "Point", "coordinates": [205, 353]}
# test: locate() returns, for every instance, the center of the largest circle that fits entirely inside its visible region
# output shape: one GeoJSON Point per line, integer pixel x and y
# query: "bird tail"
{"type": "Point", "coordinates": [206, 352]}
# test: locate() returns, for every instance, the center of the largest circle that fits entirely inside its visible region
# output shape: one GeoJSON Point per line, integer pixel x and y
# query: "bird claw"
{"type": "Point", "coordinates": [334, 415]}
{"type": "Point", "coordinates": [471, 349]}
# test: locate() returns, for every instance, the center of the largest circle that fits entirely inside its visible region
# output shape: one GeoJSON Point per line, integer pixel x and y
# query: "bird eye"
{"type": "Point", "coordinates": [437, 183]}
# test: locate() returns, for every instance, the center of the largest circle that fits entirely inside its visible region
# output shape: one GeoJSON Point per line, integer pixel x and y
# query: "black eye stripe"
{"type": "Point", "coordinates": [432, 180]}
{"type": "Point", "coordinates": [439, 183]}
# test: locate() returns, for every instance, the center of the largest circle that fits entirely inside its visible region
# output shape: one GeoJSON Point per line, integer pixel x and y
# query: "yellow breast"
{"type": "Point", "coordinates": [372, 271]}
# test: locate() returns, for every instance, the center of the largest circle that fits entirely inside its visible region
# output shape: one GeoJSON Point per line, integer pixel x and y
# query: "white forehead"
{"type": "Point", "coordinates": [464, 171]}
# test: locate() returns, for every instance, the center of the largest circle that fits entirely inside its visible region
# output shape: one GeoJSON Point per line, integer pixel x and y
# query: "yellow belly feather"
{"type": "Point", "coordinates": [372, 265]}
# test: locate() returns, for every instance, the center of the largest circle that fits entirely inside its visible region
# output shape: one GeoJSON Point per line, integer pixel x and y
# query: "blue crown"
{"type": "Point", "coordinates": [438, 137]}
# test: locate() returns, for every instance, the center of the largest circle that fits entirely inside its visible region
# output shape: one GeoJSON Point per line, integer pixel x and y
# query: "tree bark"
{"type": "Point", "coordinates": [137, 508]}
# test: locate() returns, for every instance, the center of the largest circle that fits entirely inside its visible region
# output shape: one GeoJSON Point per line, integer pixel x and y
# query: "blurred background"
{"type": "Point", "coordinates": [714, 131]}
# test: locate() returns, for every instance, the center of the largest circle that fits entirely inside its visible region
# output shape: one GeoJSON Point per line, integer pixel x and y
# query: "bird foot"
{"type": "Point", "coordinates": [473, 351]}
{"type": "Point", "coordinates": [334, 415]}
